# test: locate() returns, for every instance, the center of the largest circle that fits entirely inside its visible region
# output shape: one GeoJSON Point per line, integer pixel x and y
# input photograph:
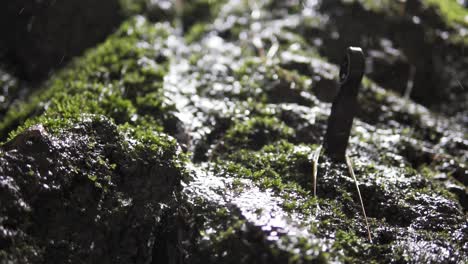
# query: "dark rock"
{"type": "Point", "coordinates": [38, 36]}
{"type": "Point", "coordinates": [399, 36]}
{"type": "Point", "coordinates": [85, 195]}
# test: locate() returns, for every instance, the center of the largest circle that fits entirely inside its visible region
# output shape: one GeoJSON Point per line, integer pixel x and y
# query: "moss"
{"type": "Point", "coordinates": [280, 166]}
{"type": "Point", "coordinates": [219, 238]}
{"type": "Point", "coordinates": [286, 169]}
{"type": "Point", "coordinates": [270, 83]}
{"type": "Point", "coordinates": [112, 79]}
{"type": "Point", "coordinates": [258, 124]}
{"type": "Point", "coordinates": [351, 244]}
{"type": "Point", "coordinates": [190, 13]}
{"type": "Point", "coordinates": [132, 7]}
{"type": "Point", "coordinates": [454, 16]}
{"type": "Point", "coordinates": [280, 160]}
{"type": "Point", "coordinates": [197, 11]}
{"type": "Point", "coordinates": [196, 32]}
{"type": "Point", "coordinates": [382, 6]}
{"type": "Point", "coordinates": [452, 12]}
{"type": "Point", "coordinates": [256, 132]}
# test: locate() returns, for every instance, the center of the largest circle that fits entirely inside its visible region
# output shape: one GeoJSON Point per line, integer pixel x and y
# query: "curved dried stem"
{"type": "Point", "coordinates": [351, 171]}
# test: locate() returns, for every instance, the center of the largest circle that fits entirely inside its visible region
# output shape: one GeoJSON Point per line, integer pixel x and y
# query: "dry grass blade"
{"type": "Point", "coordinates": [315, 159]}
{"type": "Point", "coordinates": [351, 171]}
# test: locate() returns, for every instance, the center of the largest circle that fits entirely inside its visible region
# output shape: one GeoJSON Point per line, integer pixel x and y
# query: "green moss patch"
{"type": "Point", "coordinates": [452, 12]}
{"type": "Point", "coordinates": [117, 79]}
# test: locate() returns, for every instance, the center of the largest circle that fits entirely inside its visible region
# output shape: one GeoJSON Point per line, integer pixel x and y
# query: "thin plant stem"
{"type": "Point", "coordinates": [351, 171]}
{"type": "Point", "coordinates": [315, 159]}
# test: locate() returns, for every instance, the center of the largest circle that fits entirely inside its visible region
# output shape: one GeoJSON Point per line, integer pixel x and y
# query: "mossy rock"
{"type": "Point", "coordinates": [113, 80]}
{"type": "Point", "coordinates": [91, 193]}
{"type": "Point", "coordinates": [399, 58]}
{"type": "Point", "coordinates": [249, 106]}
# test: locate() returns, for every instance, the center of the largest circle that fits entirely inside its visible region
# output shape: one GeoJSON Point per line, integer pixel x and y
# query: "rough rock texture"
{"type": "Point", "coordinates": [245, 94]}
{"type": "Point", "coordinates": [88, 194]}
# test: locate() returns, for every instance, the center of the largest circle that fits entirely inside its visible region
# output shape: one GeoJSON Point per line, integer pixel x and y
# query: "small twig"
{"type": "Point", "coordinates": [315, 159]}
{"type": "Point", "coordinates": [351, 171]}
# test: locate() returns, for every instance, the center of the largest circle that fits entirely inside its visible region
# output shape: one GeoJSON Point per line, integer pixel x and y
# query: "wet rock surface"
{"type": "Point", "coordinates": [95, 173]}
{"type": "Point", "coordinates": [89, 194]}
